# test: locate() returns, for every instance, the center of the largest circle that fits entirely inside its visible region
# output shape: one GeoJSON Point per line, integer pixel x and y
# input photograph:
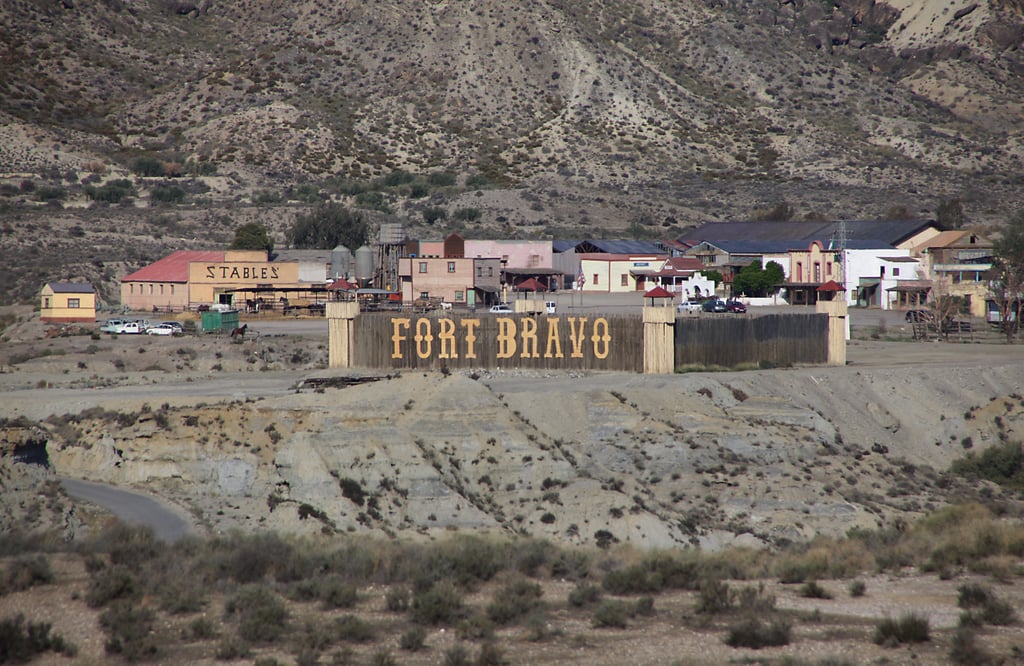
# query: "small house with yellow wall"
{"type": "Point", "coordinates": [68, 302]}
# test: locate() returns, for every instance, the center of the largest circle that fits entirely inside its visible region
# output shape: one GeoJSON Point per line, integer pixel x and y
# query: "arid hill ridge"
{"type": "Point", "coordinates": [594, 113]}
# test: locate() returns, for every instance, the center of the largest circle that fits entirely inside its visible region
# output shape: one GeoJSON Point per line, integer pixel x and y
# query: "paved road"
{"type": "Point", "coordinates": [132, 508]}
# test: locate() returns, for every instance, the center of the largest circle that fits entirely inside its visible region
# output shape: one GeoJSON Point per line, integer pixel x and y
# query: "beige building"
{"type": "Point", "coordinates": [187, 280]}
{"type": "Point", "coordinates": [68, 302]}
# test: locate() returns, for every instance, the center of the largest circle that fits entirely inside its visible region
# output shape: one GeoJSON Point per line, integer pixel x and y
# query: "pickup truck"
{"type": "Point", "coordinates": [132, 328]}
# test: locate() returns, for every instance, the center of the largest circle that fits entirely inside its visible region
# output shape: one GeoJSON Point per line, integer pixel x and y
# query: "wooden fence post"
{"type": "Point", "coordinates": [838, 323]}
{"type": "Point", "coordinates": [659, 339]}
{"type": "Point", "coordinates": [340, 327]}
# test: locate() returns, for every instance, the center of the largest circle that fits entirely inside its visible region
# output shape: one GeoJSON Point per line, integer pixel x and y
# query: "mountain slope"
{"type": "Point", "coordinates": [600, 112]}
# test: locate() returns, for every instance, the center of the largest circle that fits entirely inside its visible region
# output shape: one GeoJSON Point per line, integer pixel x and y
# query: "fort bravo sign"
{"type": "Point", "coordinates": [654, 342]}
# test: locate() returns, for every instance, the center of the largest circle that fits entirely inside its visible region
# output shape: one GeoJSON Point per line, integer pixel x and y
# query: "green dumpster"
{"type": "Point", "coordinates": [215, 320]}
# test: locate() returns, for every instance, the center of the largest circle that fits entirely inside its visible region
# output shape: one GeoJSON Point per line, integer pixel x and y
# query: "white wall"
{"type": "Point", "coordinates": [859, 264]}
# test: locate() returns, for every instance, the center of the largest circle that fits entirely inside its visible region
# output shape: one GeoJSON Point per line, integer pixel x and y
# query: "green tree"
{"type": "Point", "coordinates": [328, 226]}
{"type": "Point", "coordinates": [754, 280]}
{"type": "Point", "coordinates": [1007, 284]}
{"type": "Point", "coordinates": [950, 214]}
{"type": "Point", "coordinates": [252, 236]}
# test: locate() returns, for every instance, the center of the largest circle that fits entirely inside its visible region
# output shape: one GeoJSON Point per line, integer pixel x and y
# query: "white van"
{"type": "Point", "coordinates": [550, 307]}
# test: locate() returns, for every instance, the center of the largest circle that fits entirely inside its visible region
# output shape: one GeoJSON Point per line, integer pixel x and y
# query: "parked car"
{"type": "Point", "coordinates": [176, 325]}
{"type": "Point", "coordinates": [713, 305]}
{"type": "Point", "coordinates": [501, 308]}
{"type": "Point", "coordinates": [550, 307]}
{"type": "Point", "coordinates": [131, 328]}
{"type": "Point", "coordinates": [164, 329]}
{"type": "Point", "coordinates": [112, 325]}
{"type": "Point", "coordinates": [691, 305]}
{"type": "Point", "coordinates": [735, 306]}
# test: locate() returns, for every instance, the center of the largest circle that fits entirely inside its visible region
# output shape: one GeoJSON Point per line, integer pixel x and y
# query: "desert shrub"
{"type": "Point", "coordinates": [964, 536]}
{"type": "Point", "coordinates": [182, 596]}
{"type": "Point", "coordinates": [986, 607]}
{"type": "Point", "coordinates": [148, 166]}
{"type": "Point", "coordinates": [110, 584]}
{"type": "Point", "coordinates": [383, 657]}
{"type": "Point", "coordinates": [965, 650]}
{"type": "Point", "coordinates": [714, 596]}
{"type": "Point", "coordinates": [812, 590]}
{"type": "Point", "coordinates": [249, 559]}
{"type": "Point", "coordinates": [823, 558]}
{"type": "Point", "coordinates": [657, 571]}
{"type": "Point", "coordinates": [466, 214]}
{"type": "Point", "coordinates": [21, 641]}
{"type": "Point", "coordinates": [353, 629]}
{"type": "Point", "coordinates": [335, 592]}
{"type": "Point", "coordinates": [202, 628]}
{"type": "Point", "coordinates": [644, 606]}
{"type": "Point", "coordinates": [231, 648]}
{"type": "Point", "coordinates": [25, 572]}
{"type": "Point", "coordinates": [755, 599]}
{"type": "Point", "coordinates": [1002, 464]}
{"type": "Point", "coordinates": [261, 614]}
{"type": "Point", "coordinates": [858, 588]}
{"type": "Point", "coordinates": [528, 556]}
{"type": "Point", "coordinates": [129, 545]}
{"type": "Point", "coordinates": [475, 627]}
{"type": "Point", "coordinates": [756, 633]}
{"type": "Point", "coordinates": [352, 490]}
{"type": "Point", "coordinates": [584, 594]}
{"type": "Point", "coordinates": [441, 604]}
{"type": "Point", "coordinates": [570, 564]}
{"type": "Point", "coordinates": [611, 613]}
{"type": "Point", "coordinates": [908, 628]}
{"type": "Point", "coordinates": [466, 560]}
{"type": "Point", "coordinates": [397, 599]}
{"type": "Point", "coordinates": [129, 630]}
{"type": "Point", "coordinates": [513, 601]}
{"type": "Point", "coordinates": [457, 655]}
{"type": "Point", "coordinates": [413, 640]}
{"type": "Point", "coordinates": [490, 655]}
{"type": "Point", "coordinates": [167, 194]}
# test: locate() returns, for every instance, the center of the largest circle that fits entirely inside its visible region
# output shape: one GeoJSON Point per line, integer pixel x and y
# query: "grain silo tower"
{"type": "Point", "coordinates": [364, 265]}
{"type": "Point", "coordinates": [341, 262]}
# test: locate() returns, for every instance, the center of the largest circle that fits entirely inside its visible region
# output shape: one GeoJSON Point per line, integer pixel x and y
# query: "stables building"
{"type": "Point", "coordinates": [190, 279]}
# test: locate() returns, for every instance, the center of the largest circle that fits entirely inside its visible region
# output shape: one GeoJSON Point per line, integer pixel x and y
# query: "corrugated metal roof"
{"type": "Point", "coordinates": [71, 287]}
{"type": "Point", "coordinates": [623, 247]}
{"type": "Point", "coordinates": [173, 267]}
{"type": "Point", "coordinates": [889, 232]}
{"type": "Point", "coordinates": [564, 245]}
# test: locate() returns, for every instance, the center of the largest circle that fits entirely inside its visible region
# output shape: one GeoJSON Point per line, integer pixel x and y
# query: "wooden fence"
{"type": "Point", "coordinates": [444, 340]}
{"type": "Point", "coordinates": [730, 341]}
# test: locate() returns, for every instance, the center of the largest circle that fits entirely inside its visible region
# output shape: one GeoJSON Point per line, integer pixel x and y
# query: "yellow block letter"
{"type": "Point", "coordinates": [446, 340]}
{"type": "Point", "coordinates": [529, 338]}
{"type": "Point", "coordinates": [470, 326]}
{"type": "Point", "coordinates": [396, 337]}
{"type": "Point", "coordinates": [553, 340]}
{"type": "Point", "coordinates": [423, 338]}
{"type": "Point", "coordinates": [506, 338]}
{"type": "Point", "coordinates": [576, 336]}
{"type": "Point", "coordinates": [601, 338]}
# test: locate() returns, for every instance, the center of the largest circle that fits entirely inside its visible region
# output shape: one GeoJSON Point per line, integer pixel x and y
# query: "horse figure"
{"type": "Point", "coordinates": [239, 332]}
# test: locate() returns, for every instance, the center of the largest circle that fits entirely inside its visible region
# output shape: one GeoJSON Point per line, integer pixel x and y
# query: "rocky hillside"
{"type": "Point", "coordinates": [634, 102]}
{"type": "Point", "coordinates": [228, 432]}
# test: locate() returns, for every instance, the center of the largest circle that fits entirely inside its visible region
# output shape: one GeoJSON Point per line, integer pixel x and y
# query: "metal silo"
{"type": "Point", "coordinates": [341, 262]}
{"type": "Point", "coordinates": [364, 265]}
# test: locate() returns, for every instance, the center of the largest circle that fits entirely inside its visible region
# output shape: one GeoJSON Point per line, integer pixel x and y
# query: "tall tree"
{"type": "Point", "coordinates": [252, 236]}
{"type": "Point", "coordinates": [950, 214]}
{"type": "Point", "coordinates": [1008, 274]}
{"type": "Point", "coordinates": [328, 226]}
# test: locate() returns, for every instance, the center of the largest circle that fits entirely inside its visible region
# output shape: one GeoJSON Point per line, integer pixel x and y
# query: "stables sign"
{"type": "Point", "coordinates": [521, 337]}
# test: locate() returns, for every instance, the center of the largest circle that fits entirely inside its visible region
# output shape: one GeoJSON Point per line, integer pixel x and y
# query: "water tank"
{"type": "Point", "coordinates": [341, 262]}
{"type": "Point", "coordinates": [364, 265]}
{"type": "Point", "coordinates": [391, 233]}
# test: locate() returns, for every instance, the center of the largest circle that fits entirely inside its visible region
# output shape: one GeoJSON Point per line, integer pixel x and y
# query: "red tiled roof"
{"type": "Point", "coordinates": [658, 292]}
{"type": "Point", "coordinates": [173, 267]}
{"type": "Point", "coordinates": [831, 285]}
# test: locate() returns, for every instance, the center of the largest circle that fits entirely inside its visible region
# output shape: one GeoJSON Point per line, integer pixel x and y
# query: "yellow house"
{"type": "Point", "coordinates": [67, 302]}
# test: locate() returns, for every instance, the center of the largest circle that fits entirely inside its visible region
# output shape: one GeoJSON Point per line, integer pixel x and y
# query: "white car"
{"type": "Point", "coordinates": [501, 308]}
{"type": "Point", "coordinates": [131, 328]}
{"type": "Point", "coordinates": [689, 306]}
{"type": "Point", "coordinates": [112, 325]}
{"type": "Point", "coordinates": [162, 329]}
